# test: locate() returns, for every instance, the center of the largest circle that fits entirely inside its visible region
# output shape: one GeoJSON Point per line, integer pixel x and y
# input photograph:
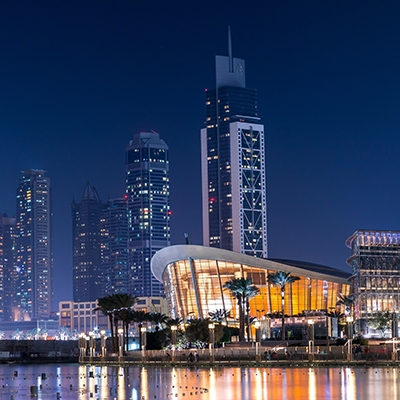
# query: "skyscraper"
{"type": "Point", "coordinates": [233, 163]}
{"type": "Point", "coordinates": [34, 254]}
{"type": "Point", "coordinates": [8, 273]}
{"type": "Point", "coordinates": [87, 276]}
{"type": "Point", "coordinates": [114, 247]}
{"type": "Point", "coordinates": [147, 190]}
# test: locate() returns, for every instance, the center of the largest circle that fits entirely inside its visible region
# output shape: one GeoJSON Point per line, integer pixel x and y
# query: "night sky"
{"type": "Point", "coordinates": [79, 78]}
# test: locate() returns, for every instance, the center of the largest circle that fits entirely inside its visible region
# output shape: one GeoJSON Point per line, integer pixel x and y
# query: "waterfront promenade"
{"type": "Point", "coordinates": [253, 356]}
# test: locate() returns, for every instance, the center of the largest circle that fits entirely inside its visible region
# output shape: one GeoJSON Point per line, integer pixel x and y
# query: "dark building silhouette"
{"type": "Point", "coordinates": [114, 247]}
{"type": "Point", "coordinates": [86, 234]}
{"type": "Point", "coordinates": [8, 271]}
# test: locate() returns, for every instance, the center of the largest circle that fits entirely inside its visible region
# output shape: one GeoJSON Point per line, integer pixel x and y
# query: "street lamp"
{"type": "Point", "coordinates": [310, 324]}
{"type": "Point", "coordinates": [395, 334]}
{"type": "Point", "coordinates": [121, 341]}
{"type": "Point", "coordinates": [349, 321]}
{"type": "Point", "coordinates": [92, 344]}
{"type": "Point", "coordinates": [143, 341]}
{"type": "Point", "coordinates": [174, 328]}
{"type": "Point", "coordinates": [395, 325]}
{"type": "Point", "coordinates": [82, 345]}
{"type": "Point", "coordinates": [257, 325]}
{"type": "Point", "coordinates": [103, 343]}
{"type": "Point", "coordinates": [211, 330]}
{"type": "Point", "coordinates": [143, 331]}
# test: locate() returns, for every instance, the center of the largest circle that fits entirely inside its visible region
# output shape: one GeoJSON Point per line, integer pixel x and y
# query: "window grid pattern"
{"type": "Point", "coordinates": [184, 301]}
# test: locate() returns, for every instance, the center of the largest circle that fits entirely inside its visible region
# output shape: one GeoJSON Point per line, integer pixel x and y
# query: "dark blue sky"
{"type": "Point", "coordinates": [79, 78]}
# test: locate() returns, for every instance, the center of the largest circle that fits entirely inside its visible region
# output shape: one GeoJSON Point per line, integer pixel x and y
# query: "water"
{"type": "Point", "coordinates": [82, 382]}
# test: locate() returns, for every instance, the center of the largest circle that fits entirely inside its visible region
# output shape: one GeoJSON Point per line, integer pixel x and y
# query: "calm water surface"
{"type": "Point", "coordinates": [82, 382]}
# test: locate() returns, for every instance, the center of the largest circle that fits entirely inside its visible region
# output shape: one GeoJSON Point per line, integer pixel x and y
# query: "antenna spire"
{"type": "Point", "coordinates": [230, 49]}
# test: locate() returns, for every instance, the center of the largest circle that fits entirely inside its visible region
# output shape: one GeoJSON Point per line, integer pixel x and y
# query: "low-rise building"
{"type": "Point", "coordinates": [375, 263]}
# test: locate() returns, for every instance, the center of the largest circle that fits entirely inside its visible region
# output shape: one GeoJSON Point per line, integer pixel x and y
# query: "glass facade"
{"type": "Point", "coordinates": [147, 191]}
{"type": "Point", "coordinates": [233, 165]}
{"type": "Point", "coordinates": [114, 247]}
{"type": "Point", "coordinates": [87, 273]}
{"type": "Point", "coordinates": [375, 262]}
{"type": "Point", "coordinates": [34, 256]}
{"type": "Point", "coordinates": [194, 283]}
{"type": "Point", "coordinates": [8, 274]}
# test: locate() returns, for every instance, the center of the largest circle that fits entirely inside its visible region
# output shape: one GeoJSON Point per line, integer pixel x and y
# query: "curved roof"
{"type": "Point", "coordinates": [171, 254]}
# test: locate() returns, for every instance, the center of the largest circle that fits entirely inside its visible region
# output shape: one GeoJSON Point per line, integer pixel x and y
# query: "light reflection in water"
{"type": "Point", "coordinates": [395, 378]}
{"type": "Point", "coordinates": [121, 383]}
{"type": "Point", "coordinates": [312, 387]}
{"type": "Point", "coordinates": [86, 383]}
{"type": "Point", "coordinates": [144, 384]}
{"type": "Point", "coordinates": [213, 378]}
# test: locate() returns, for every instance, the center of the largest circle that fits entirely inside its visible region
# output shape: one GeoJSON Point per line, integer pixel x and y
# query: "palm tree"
{"type": "Point", "coordinates": [174, 321]}
{"type": "Point", "coordinates": [219, 315]}
{"type": "Point", "coordinates": [347, 302]}
{"type": "Point", "coordinates": [106, 306]}
{"type": "Point", "coordinates": [243, 290]}
{"type": "Point", "coordinates": [339, 317]}
{"type": "Point", "coordinates": [139, 317]}
{"type": "Point", "coordinates": [281, 279]}
{"type": "Point", "coordinates": [115, 306]}
{"type": "Point", "coordinates": [158, 319]}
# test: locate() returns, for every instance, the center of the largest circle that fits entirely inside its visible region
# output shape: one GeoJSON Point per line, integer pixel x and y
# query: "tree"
{"type": "Point", "coordinates": [174, 321]}
{"type": "Point", "coordinates": [282, 279]}
{"type": "Point", "coordinates": [115, 306]}
{"type": "Point", "coordinates": [381, 321]}
{"type": "Point", "coordinates": [106, 305]}
{"type": "Point", "coordinates": [339, 317]}
{"type": "Point", "coordinates": [158, 319]}
{"type": "Point", "coordinates": [123, 303]}
{"type": "Point", "coordinates": [139, 317]}
{"type": "Point", "coordinates": [347, 302]}
{"type": "Point", "coordinates": [243, 290]}
{"type": "Point", "coordinates": [62, 333]}
{"type": "Point", "coordinates": [219, 315]}
{"type": "Point", "coordinates": [197, 331]}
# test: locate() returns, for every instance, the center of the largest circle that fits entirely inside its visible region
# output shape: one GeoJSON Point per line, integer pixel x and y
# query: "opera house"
{"type": "Point", "coordinates": [194, 278]}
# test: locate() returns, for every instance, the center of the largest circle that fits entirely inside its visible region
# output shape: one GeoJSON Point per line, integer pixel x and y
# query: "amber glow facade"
{"type": "Point", "coordinates": [194, 277]}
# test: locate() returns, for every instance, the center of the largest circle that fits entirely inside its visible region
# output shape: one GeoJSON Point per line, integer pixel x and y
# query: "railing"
{"type": "Point", "coordinates": [244, 356]}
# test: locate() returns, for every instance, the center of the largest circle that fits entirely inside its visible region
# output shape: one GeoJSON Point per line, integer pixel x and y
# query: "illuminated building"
{"type": "Point", "coordinates": [81, 316]}
{"type": "Point", "coordinates": [375, 263]}
{"type": "Point", "coordinates": [34, 254]}
{"type": "Point", "coordinates": [194, 278]}
{"type": "Point", "coordinates": [147, 190]}
{"type": "Point", "coordinates": [8, 273]}
{"type": "Point", "coordinates": [233, 164]}
{"type": "Point", "coordinates": [114, 247]}
{"type": "Point", "coordinates": [87, 274]}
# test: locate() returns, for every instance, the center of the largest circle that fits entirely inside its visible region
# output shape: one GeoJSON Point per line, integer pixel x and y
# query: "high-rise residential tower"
{"type": "Point", "coordinates": [34, 255]}
{"type": "Point", "coordinates": [114, 247]}
{"type": "Point", "coordinates": [147, 190]}
{"type": "Point", "coordinates": [233, 164]}
{"type": "Point", "coordinates": [86, 236]}
{"type": "Point", "coordinates": [8, 272]}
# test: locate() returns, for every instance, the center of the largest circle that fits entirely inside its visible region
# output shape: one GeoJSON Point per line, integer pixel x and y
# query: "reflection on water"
{"type": "Point", "coordinates": [122, 383]}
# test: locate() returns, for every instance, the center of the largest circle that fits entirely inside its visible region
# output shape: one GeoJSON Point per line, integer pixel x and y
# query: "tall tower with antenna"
{"type": "Point", "coordinates": [233, 163]}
